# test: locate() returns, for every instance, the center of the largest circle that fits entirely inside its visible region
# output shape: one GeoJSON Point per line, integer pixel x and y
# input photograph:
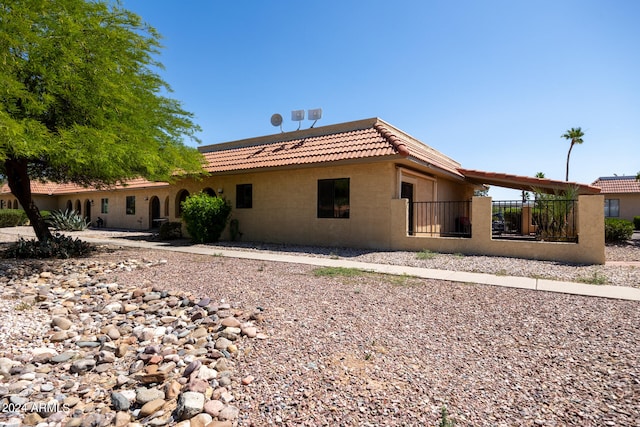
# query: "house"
{"type": "Point", "coordinates": [360, 184]}
{"type": "Point", "coordinates": [621, 196]}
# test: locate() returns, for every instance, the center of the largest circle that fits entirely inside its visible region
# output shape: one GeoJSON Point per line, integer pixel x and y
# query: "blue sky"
{"type": "Point", "coordinates": [492, 84]}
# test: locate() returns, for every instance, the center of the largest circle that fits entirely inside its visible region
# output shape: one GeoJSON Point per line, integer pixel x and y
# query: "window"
{"type": "Point", "coordinates": [104, 206]}
{"type": "Point", "coordinates": [333, 198]}
{"type": "Point", "coordinates": [611, 208]}
{"type": "Point", "coordinates": [131, 205]}
{"type": "Point", "coordinates": [244, 196]}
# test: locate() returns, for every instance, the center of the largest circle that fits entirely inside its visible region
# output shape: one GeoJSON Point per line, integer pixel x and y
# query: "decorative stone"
{"type": "Point", "coordinates": [83, 365]}
{"type": "Point", "coordinates": [229, 413]}
{"type": "Point", "coordinates": [62, 323]}
{"type": "Point", "coordinates": [151, 407]}
{"type": "Point", "coordinates": [119, 402]}
{"type": "Point", "coordinates": [201, 420]}
{"type": "Point", "coordinates": [190, 404]}
{"type": "Point", "coordinates": [145, 395]}
{"type": "Point", "coordinates": [206, 373]}
{"type": "Point", "coordinates": [230, 322]}
{"type": "Point", "coordinates": [213, 407]}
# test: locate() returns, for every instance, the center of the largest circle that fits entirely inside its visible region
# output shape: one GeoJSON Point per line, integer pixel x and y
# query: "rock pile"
{"type": "Point", "coordinates": [77, 348]}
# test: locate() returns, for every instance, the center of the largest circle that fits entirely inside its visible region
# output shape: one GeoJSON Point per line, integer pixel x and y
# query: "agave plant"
{"type": "Point", "coordinates": [68, 220]}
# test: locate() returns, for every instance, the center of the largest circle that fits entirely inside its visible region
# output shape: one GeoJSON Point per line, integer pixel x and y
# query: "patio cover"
{"type": "Point", "coordinates": [526, 183]}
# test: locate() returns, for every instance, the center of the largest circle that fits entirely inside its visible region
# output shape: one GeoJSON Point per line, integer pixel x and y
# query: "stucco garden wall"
{"type": "Point", "coordinates": [588, 250]}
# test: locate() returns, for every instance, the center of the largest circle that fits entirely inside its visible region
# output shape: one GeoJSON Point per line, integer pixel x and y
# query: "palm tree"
{"type": "Point", "coordinates": [575, 135]}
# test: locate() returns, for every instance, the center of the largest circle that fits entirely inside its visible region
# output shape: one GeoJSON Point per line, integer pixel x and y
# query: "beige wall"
{"type": "Point", "coordinates": [629, 205]}
{"type": "Point", "coordinates": [589, 249]}
{"type": "Point", "coordinates": [116, 216]}
{"type": "Point", "coordinates": [285, 205]}
{"type": "Point", "coordinates": [44, 203]}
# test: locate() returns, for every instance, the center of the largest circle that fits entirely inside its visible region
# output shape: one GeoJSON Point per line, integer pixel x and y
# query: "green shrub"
{"type": "Point", "coordinates": [12, 217]}
{"type": "Point", "coordinates": [58, 246]}
{"type": "Point", "coordinates": [617, 230]}
{"type": "Point", "coordinates": [68, 220]}
{"type": "Point", "coordinates": [636, 222]}
{"type": "Point", "coordinates": [205, 217]}
{"type": "Point", "coordinates": [170, 230]}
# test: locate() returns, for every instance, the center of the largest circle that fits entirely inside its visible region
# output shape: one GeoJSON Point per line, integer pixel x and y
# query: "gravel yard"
{"type": "Point", "coordinates": [367, 349]}
{"type": "Point", "coordinates": [349, 348]}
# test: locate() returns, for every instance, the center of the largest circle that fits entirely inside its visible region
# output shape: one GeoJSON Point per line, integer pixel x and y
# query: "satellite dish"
{"type": "Point", "coordinates": [276, 120]}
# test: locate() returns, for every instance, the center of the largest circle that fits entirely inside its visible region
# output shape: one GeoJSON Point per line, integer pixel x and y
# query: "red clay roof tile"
{"type": "Point", "coordinates": [370, 138]}
{"type": "Point", "coordinates": [48, 188]}
{"type": "Point", "coordinates": [617, 184]}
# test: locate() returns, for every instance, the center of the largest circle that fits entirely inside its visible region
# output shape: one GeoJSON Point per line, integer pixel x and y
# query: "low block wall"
{"type": "Point", "coordinates": [588, 250]}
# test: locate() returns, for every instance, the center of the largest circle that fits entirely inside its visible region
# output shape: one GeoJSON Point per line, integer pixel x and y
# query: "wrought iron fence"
{"type": "Point", "coordinates": [547, 218]}
{"type": "Point", "coordinates": [441, 219]}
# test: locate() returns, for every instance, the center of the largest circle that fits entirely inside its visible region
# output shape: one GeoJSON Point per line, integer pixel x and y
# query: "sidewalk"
{"type": "Point", "coordinates": [118, 238]}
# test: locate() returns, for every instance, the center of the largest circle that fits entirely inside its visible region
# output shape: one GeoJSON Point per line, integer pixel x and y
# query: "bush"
{"type": "Point", "coordinates": [68, 220]}
{"type": "Point", "coordinates": [12, 217]}
{"type": "Point", "coordinates": [170, 230]}
{"type": "Point", "coordinates": [617, 230]}
{"type": "Point", "coordinates": [205, 217]}
{"type": "Point", "coordinates": [58, 246]}
{"type": "Point", "coordinates": [636, 222]}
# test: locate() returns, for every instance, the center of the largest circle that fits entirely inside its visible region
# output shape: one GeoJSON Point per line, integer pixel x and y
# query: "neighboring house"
{"type": "Point", "coordinates": [358, 184]}
{"type": "Point", "coordinates": [621, 196]}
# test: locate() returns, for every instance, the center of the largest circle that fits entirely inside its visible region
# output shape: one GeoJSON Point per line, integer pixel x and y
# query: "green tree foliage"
{"type": "Point", "coordinates": [575, 136]}
{"type": "Point", "coordinates": [205, 217]}
{"type": "Point", "coordinates": [81, 101]}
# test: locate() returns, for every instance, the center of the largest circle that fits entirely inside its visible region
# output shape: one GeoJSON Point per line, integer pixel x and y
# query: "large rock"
{"type": "Point", "coordinates": [190, 404]}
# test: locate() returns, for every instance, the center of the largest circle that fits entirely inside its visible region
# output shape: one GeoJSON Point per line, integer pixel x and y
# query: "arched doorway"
{"type": "Point", "coordinates": [210, 191]}
{"type": "Point", "coordinates": [78, 207]}
{"type": "Point", "coordinates": [87, 210]}
{"type": "Point", "coordinates": [69, 206]}
{"type": "Point", "coordinates": [180, 197]}
{"type": "Point", "coordinates": [154, 212]}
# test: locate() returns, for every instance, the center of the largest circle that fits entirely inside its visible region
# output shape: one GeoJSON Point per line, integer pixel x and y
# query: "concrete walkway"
{"type": "Point", "coordinates": [125, 239]}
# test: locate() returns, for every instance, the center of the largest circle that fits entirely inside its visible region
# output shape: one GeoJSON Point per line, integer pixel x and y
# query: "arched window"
{"type": "Point", "coordinates": [209, 191]}
{"type": "Point", "coordinates": [9, 206]}
{"type": "Point", "coordinates": [15, 204]}
{"type": "Point", "coordinates": [180, 197]}
{"type": "Point", "coordinates": [69, 207]}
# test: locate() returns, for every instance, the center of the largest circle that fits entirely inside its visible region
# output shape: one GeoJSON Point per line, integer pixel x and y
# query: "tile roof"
{"type": "Point", "coordinates": [527, 183]}
{"type": "Point", "coordinates": [363, 139]}
{"type": "Point", "coordinates": [617, 184]}
{"type": "Point", "coordinates": [49, 188]}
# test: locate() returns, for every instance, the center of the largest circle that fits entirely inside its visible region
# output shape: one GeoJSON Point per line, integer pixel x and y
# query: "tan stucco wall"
{"type": "Point", "coordinates": [629, 205]}
{"type": "Point", "coordinates": [44, 203]}
{"type": "Point", "coordinates": [116, 217]}
{"type": "Point", "coordinates": [588, 250]}
{"type": "Point", "coordinates": [285, 205]}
